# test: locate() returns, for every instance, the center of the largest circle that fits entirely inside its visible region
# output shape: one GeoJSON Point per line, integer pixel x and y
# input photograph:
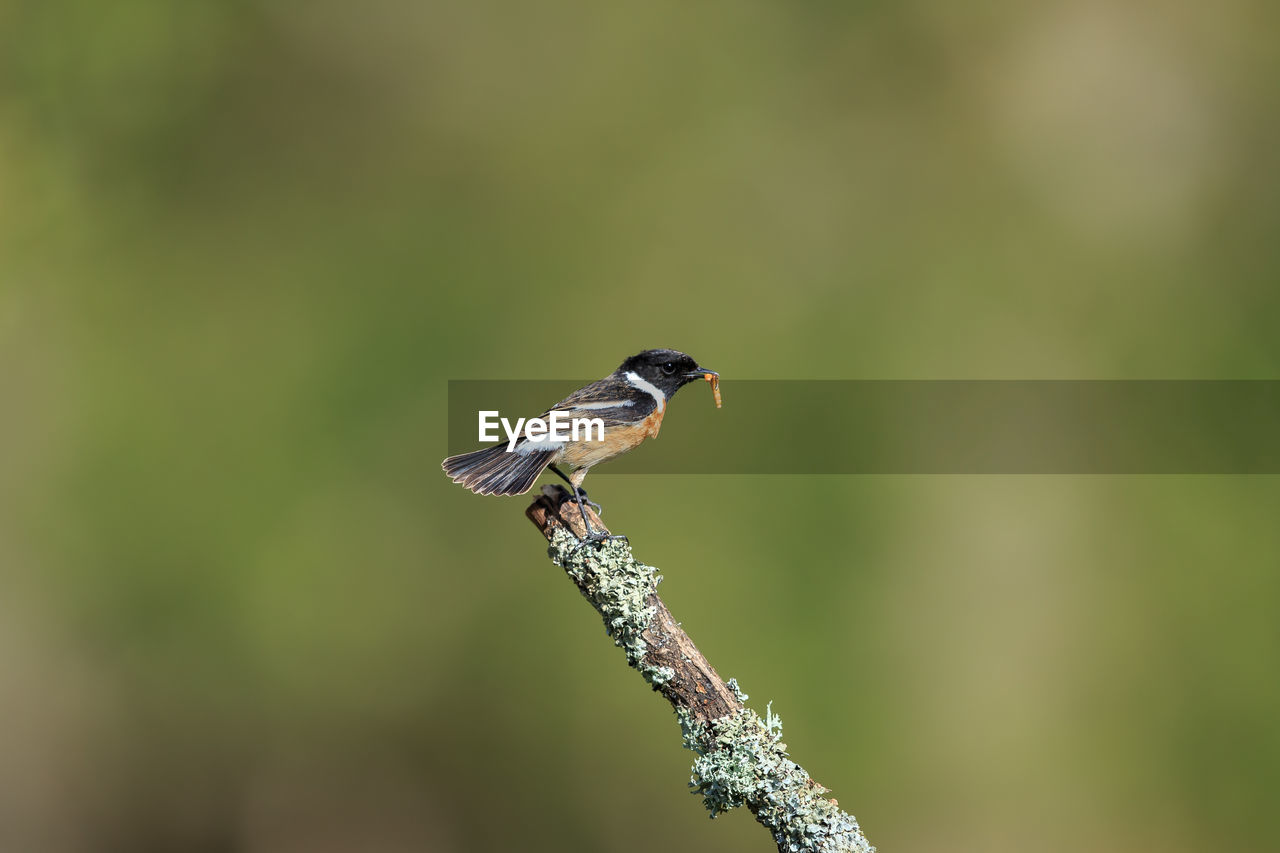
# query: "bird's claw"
{"type": "Point", "coordinates": [598, 537]}
{"type": "Point", "coordinates": [582, 496]}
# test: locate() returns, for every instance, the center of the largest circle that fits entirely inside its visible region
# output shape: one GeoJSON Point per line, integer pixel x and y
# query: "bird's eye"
{"type": "Point", "coordinates": [669, 368]}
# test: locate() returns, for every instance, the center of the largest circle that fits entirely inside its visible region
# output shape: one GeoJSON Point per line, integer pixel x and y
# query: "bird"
{"type": "Point", "coordinates": [631, 402]}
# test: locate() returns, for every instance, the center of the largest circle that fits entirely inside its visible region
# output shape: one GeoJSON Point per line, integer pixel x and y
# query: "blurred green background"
{"type": "Point", "coordinates": [244, 245]}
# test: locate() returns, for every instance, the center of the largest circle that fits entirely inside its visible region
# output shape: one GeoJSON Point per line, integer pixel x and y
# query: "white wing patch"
{"type": "Point", "coordinates": [526, 446]}
{"type": "Point", "coordinates": [607, 404]}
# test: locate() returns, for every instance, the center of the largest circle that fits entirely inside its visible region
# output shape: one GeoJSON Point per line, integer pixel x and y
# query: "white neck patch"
{"type": "Point", "coordinates": [649, 388]}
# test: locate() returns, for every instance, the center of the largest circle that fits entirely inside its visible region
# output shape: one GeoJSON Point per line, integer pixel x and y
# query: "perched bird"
{"type": "Point", "coordinates": [630, 402]}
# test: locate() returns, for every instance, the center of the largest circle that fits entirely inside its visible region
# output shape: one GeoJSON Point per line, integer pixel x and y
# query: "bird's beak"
{"type": "Point", "coordinates": [712, 378]}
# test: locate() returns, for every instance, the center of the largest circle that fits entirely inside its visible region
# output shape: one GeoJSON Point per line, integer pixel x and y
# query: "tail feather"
{"type": "Point", "coordinates": [494, 471]}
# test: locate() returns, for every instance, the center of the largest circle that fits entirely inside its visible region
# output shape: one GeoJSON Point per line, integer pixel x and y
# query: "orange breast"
{"type": "Point", "coordinates": [617, 440]}
{"type": "Point", "coordinates": [653, 423]}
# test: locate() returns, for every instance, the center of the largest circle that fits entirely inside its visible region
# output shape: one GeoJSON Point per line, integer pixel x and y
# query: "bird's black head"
{"type": "Point", "coordinates": [666, 369]}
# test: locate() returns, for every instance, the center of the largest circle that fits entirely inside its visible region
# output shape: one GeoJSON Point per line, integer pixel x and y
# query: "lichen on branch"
{"type": "Point", "coordinates": [621, 588]}
{"type": "Point", "coordinates": [742, 761]}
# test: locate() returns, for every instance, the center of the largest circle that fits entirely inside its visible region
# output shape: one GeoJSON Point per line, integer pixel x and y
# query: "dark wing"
{"type": "Point", "coordinates": [613, 400]}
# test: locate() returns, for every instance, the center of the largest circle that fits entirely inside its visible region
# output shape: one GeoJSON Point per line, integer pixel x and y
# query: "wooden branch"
{"type": "Point", "coordinates": [741, 758]}
{"type": "Point", "coordinates": [694, 684]}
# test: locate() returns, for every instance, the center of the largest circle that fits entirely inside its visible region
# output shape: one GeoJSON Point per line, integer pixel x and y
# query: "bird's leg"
{"type": "Point", "coordinates": [579, 496]}
{"type": "Point", "coordinates": [579, 493]}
